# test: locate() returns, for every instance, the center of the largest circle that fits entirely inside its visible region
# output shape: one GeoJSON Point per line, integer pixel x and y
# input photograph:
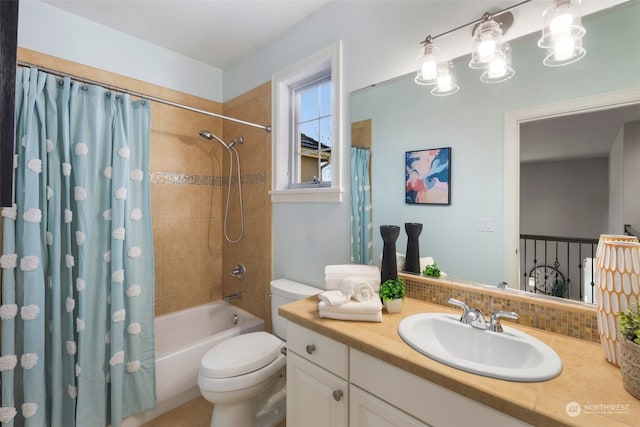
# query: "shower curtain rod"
{"type": "Point", "coordinates": [143, 96]}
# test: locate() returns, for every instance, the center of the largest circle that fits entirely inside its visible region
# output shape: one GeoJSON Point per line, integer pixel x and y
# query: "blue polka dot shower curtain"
{"type": "Point", "coordinates": [77, 306]}
{"type": "Point", "coordinates": [361, 226]}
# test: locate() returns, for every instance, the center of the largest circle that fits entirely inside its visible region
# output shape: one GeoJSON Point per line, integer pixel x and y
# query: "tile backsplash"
{"type": "Point", "coordinates": [572, 319]}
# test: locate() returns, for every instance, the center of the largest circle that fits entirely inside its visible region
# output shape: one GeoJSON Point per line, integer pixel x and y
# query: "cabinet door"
{"type": "Point", "coordinates": [315, 397]}
{"type": "Point", "coordinates": [366, 410]}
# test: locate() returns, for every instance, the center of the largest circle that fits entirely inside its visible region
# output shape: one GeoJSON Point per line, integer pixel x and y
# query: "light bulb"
{"type": "Point", "coordinates": [562, 22]}
{"type": "Point", "coordinates": [429, 69]}
{"type": "Point", "coordinates": [563, 48]}
{"type": "Point", "coordinates": [497, 68]}
{"type": "Point", "coordinates": [444, 82]}
{"type": "Point", "coordinates": [486, 49]}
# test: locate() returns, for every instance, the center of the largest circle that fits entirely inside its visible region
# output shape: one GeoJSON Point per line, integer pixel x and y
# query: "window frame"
{"type": "Point", "coordinates": [283, 139]}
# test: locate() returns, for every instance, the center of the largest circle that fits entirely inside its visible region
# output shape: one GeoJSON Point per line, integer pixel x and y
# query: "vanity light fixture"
{"type": "Point", "coordinates": [499, 68]}
{"type": "Point", "coordinates": [562, 33]}
{"type": "Point", "coordinates": [428, 60]}
{"type": "Point", "coordinates": [445, 80]}
{"type": "Point", "coordinates": [561, 36]}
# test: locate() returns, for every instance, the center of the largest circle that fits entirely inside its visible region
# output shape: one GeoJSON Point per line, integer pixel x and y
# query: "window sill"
{"type": "Point", "coordinates": [307, 195]}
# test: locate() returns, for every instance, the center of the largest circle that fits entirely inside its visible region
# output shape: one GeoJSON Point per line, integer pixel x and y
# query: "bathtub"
{"type": "Point", "coordinates": [182, 338]}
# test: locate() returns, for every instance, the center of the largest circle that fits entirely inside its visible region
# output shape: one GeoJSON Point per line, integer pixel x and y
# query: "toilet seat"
{"type": "Point", "coordinates": [240, 355]}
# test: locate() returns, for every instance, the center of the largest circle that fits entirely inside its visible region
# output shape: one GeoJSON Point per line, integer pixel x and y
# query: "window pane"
{"type": "Point", "coordinates": [309, 103]}
{"type": "Point", "coordinates": [325, 131]}
{"type": "Point", "coordinates": [325, 99]}
{"type": "Point", "coordinates": [311, 131]}
{"type": "Point", "coordinates": [326, 173]}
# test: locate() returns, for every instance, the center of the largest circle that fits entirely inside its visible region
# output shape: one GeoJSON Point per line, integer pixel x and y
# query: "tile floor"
{"type": "Point", "coordinates": [196, 413]}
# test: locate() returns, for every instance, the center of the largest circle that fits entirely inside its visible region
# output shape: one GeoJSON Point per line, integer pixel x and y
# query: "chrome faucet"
{"type": "Point", "coordinates": [475, 317]}
{"type": "Point", "coordinates": [237, 295]}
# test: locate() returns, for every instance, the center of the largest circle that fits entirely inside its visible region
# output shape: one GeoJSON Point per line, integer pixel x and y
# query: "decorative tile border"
{"type": "Point", "coordinates": [574, 320]}
{"type": "Point", "coordinates": [158, 177]}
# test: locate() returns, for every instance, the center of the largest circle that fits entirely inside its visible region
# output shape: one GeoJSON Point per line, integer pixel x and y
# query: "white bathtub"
{"type": "Point", "coordinates": [182, 338]}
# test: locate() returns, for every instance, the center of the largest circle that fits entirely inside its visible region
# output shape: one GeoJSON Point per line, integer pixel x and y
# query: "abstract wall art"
{"type": "Point", "coordinates": [428, 176]}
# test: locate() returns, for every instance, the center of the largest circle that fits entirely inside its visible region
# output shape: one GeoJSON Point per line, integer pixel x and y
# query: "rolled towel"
{"type": "Point", "coordinates": [358, 288]}
{"type": "Point", "coordinates": [372, 306]}
{"type": "Point", "coordinates": [334, 274]}
{"type": "Point", "coordinates": [334, 297]}
{"type": "Point", "coordinates": [361, 317]}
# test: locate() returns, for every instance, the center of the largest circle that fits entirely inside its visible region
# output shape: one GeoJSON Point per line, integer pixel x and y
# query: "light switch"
{"type": "Point", "coordinates": [485, 224]}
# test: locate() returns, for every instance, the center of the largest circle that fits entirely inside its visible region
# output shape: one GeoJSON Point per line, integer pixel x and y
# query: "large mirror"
{"type": "Point", "coordinates": [476, 238]}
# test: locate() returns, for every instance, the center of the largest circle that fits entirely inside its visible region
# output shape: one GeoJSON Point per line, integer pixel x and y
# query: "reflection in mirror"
{"type": "Point", "coordinates": [574, 187]}
{"type": "Point", "coordinates": [475, 239]}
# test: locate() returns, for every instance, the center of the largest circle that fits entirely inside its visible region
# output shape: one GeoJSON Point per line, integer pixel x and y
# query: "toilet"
{"type": "Point", "coordinates": [244, 376]}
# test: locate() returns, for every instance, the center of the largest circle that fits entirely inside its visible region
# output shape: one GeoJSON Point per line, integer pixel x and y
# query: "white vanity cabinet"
{"type": "Point", "coordinates": [317, 380]}
{"type": "Point", "coordinates": [332, 385]}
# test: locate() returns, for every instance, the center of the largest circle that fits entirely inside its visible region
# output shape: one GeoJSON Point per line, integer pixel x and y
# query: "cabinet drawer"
{"type": "Point", "coordinates": [323, 351]}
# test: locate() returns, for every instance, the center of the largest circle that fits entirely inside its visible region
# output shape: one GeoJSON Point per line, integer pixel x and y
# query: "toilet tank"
{"type": "Point", "coordinates": [284, 291]}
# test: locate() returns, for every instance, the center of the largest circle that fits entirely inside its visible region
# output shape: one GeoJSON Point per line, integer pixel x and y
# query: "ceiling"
{"type": "Point", "coordinates": [585, 135]}
{"type": "Point", "coordinates": [215, 32]}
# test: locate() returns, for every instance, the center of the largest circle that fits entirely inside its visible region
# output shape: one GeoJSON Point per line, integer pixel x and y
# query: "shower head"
{"type": "Point", "coordinates": [208, 135]}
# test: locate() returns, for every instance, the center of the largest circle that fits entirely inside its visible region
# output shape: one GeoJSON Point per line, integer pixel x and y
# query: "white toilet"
{"type": "Point", "coordinates": [244, 376]}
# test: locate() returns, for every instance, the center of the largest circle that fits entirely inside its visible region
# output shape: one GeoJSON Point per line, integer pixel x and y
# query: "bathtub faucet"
{"type": "Point", "coordinates": [239, 271]}
{"type": "Point", "coordinates": [237, 295]}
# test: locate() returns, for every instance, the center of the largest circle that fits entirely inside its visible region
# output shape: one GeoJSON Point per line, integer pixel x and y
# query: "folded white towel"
{"type": "Point", "coordinates": [334, 274]}
{"type": "Point", "coordinates": [358, 288]}
{"type": "Point", "coordinates": [335, 297]}
{"type": "Point", "coordinates": [362, 317]}
{"type": "Point", "coordinates": [367, 307]}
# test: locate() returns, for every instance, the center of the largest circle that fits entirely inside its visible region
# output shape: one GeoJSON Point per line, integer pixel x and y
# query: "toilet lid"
{"type": "Point", "coordinates": [240, 355]}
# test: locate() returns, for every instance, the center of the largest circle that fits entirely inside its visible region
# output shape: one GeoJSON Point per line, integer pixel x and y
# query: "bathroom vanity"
{"type": "Point", "coordinates": [342, 373]}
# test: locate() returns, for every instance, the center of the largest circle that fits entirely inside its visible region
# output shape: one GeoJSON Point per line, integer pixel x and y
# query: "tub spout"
{"type": "Point", "coordinates": [237, 295]}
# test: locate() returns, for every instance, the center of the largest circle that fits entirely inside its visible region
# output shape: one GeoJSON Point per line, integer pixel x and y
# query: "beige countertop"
{"type": "Point", "coordinates": [586, 379]}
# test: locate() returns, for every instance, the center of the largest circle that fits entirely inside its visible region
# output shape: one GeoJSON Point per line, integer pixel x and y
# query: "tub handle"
{"type": "Point", "coordinates": [311, 348]}
{"type": "Point", "coordinates": [337, 395]}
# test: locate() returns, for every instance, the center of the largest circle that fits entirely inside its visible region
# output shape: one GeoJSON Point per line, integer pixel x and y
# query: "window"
{"type": "Point", "coordinates": [312, 121]}
{"type": "Point", "coordinates": [306, 129]}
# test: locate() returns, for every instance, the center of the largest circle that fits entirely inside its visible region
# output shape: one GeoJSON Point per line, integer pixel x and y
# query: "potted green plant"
{"type": "Point", "coordinates": [392, 293]}
{"type": "Point", "coordinates": [431, 270]}
{"type": "Point", "coordinates": [629, 326]}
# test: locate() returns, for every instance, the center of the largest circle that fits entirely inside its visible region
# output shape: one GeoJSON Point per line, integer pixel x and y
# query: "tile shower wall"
{"type": "Point", "coordinates": [186, 182]}
{"type": "Point", "coordinates": [254, 250]}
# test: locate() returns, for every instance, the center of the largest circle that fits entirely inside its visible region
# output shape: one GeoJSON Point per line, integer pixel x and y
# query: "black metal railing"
{"type": "Point", "coordinates": [631, 231]}
{"type": "Point", "coordinates": [558, 266]}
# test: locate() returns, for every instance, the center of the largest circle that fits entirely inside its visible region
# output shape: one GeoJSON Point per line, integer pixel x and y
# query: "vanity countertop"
{"type": "Point", "coordinates": [586, 379]}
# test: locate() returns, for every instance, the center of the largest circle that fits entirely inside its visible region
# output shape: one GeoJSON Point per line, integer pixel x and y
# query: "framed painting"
{"type": "Point", "coordinates": [428, 176]}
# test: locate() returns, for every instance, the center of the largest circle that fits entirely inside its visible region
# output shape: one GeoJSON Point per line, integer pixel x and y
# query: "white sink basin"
{"type": "Point", "coordinates": [509, 355]}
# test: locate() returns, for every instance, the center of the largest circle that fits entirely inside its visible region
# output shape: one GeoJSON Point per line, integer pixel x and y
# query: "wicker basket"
{"type": "Point", "coordinates": [630, 367]}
